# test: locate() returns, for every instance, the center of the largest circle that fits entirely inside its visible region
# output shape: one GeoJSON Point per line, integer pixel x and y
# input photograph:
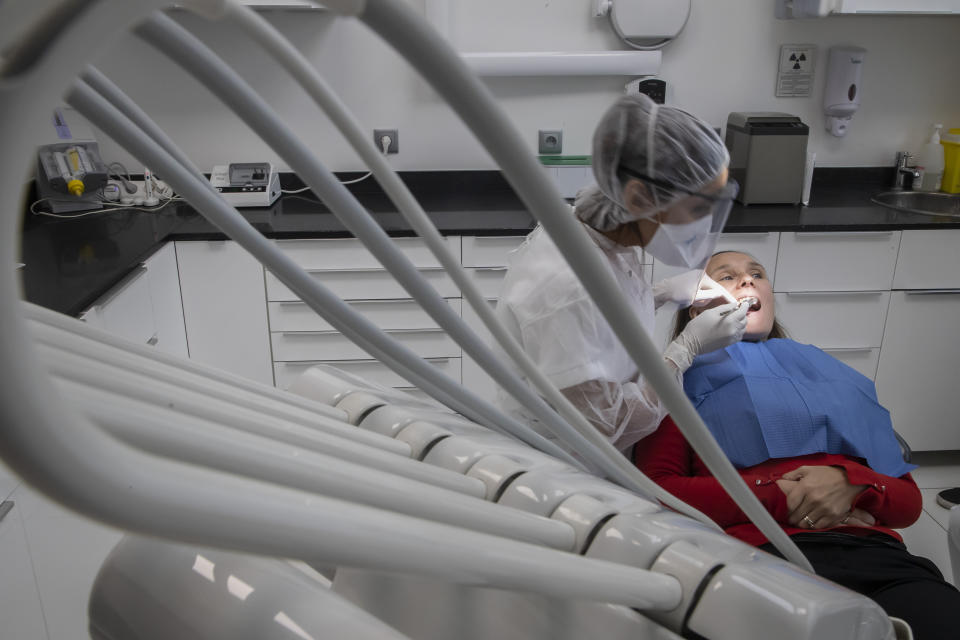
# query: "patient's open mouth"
{"type": "Point", "coordinates": [752, 301]}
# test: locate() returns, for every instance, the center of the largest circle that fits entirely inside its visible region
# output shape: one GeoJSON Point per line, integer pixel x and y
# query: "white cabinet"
{"type": "Point", "coordinates": [821, 8]}
{"type": "Point", "coordinates": [916, 378]}
{"type": "Point", "coordinates": [837, 261]}
{"type": "Point", "coordinates": [126, 311]}
{"type": "Point", "coordinates": [928, 260]}
{"type": "Point", "coordinates": [8, 481]}
{"type": "Point", "coordinates": [833, 290]}
{"type": "Point", "coordinates": [164, 280]}
{"type": "Point", "coordinates": [225, 308]}
{"type": "Point", "coordinates": [897, 6]}
{"type": "Point", "coordinates": [848, 325]}
{"type": "Point", "coordinates": [21, 615]}
{"type": "Point", "coordinates": [474, 377]}
{"type": "Point", "coordinates": [300, 338]}
{"type": "Point", "coordinates": [145, 307]}
{"type": "Point", "coordinates": [486, 259]}
{"type": "Point", "coordinates": [66, 552]}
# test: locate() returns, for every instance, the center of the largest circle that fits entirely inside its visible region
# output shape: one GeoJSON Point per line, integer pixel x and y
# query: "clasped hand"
{"type": "Point", "coordinates": [819, 497]}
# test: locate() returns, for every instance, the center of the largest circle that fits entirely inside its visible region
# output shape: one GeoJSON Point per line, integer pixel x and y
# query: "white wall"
{"type": "Point", "coordinates": [725, 60]}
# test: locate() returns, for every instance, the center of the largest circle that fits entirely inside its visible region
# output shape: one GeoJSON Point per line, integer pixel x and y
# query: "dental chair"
{"type": "Point", "coordinates": [442, 519]}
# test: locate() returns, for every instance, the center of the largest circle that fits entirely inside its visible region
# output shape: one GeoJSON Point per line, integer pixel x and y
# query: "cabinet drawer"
{"type": "Point", "coordinates": [489, 251]}
{"type": "Point", "coordinates": [863, 360]}
{"type": "Point", "coordinates": [488, 280]}
{"type": "Point", "coordinates": [371, 370]}
{"type": "Point", "coordinates": [350, 253]}
{"type": "Point", "coordinates": [837, 261]}
{"type": "Point", "coordinates": [762, 246]}
{"type": "Point", "coordinates": [364, 285]}
{"type": "Point", "coordinates": [294, 346]}
{"type": "Point", "coordinates": [8, 481]}
{"type": "Point", "coordinates": [928, 260]}
{"type": "Point", "coordinates": [851, 320]}
{"type": "Point", "coordinates": [386, 314]}
{"type": "Point", "coordinates": [126, 311]}
{"type": "Point", "coordinates": [21, 615]}
{"type": "Point", "coordinates": [916, 377]}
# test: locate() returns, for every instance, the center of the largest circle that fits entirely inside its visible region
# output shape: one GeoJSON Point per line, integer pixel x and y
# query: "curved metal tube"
{"type": "Point", "coordinates": [582, 435]}
{"type": "Point", "coordinates": [339, 314]}
{"type": "Point", "coordinates": [193, 56]}
{"type": "Point", "coordinates": [396, 23]}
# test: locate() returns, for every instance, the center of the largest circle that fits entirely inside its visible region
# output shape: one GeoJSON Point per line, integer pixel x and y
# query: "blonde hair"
{"type": "Point", "coordinates": [683, 315]}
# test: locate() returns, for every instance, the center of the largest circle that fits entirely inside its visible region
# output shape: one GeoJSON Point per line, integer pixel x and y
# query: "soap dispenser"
{"type": "Point", "coordinates": [930, 163]}
{"type": "Point", "coordinates": [841, 99]}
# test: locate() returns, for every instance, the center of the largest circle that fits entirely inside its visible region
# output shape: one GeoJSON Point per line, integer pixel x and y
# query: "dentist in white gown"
{"type": "Point", "coordinates": [661, 189]}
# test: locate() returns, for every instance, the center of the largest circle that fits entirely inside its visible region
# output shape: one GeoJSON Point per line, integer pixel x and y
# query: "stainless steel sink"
{"type": "Point", "coordinates": [934, 204]}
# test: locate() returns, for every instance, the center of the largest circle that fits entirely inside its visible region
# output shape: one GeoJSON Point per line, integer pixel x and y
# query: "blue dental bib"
{"type": "Point", "coordinates": [781, 399]}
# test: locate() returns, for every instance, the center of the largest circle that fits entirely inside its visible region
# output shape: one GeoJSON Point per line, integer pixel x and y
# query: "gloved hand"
{"type": "Point", "coordinates": [677, 289]}
{"type": "Point", "coordinates": [709, 291]}
{"type": "Point", "coordinates": [713, 329]}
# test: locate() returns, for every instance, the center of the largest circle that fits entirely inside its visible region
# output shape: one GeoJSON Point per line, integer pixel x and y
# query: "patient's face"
{"type": "Point", "coordinates": [743, 276]}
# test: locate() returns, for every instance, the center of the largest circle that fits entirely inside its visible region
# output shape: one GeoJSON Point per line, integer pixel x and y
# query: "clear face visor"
{"type": "Point", "coordinates": [687, 236]}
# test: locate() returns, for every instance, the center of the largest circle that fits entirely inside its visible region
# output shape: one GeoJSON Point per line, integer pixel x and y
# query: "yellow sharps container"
{"type": "Point", "coordinates": [951, 161]}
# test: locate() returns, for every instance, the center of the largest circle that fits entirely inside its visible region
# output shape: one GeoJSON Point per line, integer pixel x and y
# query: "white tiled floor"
{"type": "Point", "coordinates": [928, 536]}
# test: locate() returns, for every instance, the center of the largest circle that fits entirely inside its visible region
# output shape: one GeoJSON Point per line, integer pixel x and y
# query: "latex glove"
{"type": "Point", "coordinates": [709, 291]}
{"type": "Point", "coordinates": [713, 329]}
{"type": "Point", "coordinates": [676, 289]}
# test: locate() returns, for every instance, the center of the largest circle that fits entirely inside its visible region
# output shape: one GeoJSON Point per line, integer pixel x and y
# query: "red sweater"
{"type": "Point", "coordinates": [670, 461]}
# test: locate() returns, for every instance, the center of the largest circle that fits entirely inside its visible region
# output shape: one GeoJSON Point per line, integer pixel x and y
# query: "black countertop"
{"type": "Point", "coordinates": [70, 263]}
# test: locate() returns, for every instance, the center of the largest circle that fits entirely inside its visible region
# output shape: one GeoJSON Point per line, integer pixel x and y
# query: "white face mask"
{"type": "Point", "coordinates": [683, 245]}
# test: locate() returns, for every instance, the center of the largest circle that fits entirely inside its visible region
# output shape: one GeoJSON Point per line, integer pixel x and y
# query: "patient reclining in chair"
{"type": "Point", "coordinates": [808, 436]}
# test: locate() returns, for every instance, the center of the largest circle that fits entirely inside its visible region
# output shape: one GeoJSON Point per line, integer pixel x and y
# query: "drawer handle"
{"type": "Point", "coordinates": [360, 361]}
{"type": "Point", "coordinates": [5, 508]}
{"type": "Point", "coordinates": [848, 349]}
{"type": "Point", "coordinates": [357, 303]}
{"type": "Point", "coordinates": [368, 270]}
{"type": "Point", "coordinates": [337, 333]}
{"type": "Point", "coordinates": [801, 294]}
{"type": "Point", "coordinates": [932, 292]}
{"type": "Point", "coordinates": [745, 234]}
{"type": "Point", "coordinates": [843, 234]}
{"type": "Point", "coordinates": [124, 284]}
{"type": "Point", "coordinates": [489, 269]}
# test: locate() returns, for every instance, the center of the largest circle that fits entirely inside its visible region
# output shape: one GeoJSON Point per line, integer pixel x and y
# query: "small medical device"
{"type": "Point", "coordinates": [768, 156]}
{"type": "Point", "coordinates": [70, 172]}
{"type": "Point", "coordinates": [247, 184]}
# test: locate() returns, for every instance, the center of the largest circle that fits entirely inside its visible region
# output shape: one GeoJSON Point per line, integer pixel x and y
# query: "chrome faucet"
{"type": "Point", "coordinates": [904, 168]}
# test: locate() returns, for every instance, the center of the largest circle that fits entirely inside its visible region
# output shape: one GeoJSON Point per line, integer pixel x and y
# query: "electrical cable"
{"type": "Point", "coordinates": [109, 207]}
{"type": "Point", "coordinates": [385, 142]}
{"type": "Point", "coordinates": [128, 185]}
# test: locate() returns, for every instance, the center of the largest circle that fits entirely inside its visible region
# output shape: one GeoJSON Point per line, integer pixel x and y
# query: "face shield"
{"type": "Point", "coordinates": [687, 233]}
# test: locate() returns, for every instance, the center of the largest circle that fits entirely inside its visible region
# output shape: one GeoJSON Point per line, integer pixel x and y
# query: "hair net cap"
{"type": "Point", "coordinates": [663, 143]}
